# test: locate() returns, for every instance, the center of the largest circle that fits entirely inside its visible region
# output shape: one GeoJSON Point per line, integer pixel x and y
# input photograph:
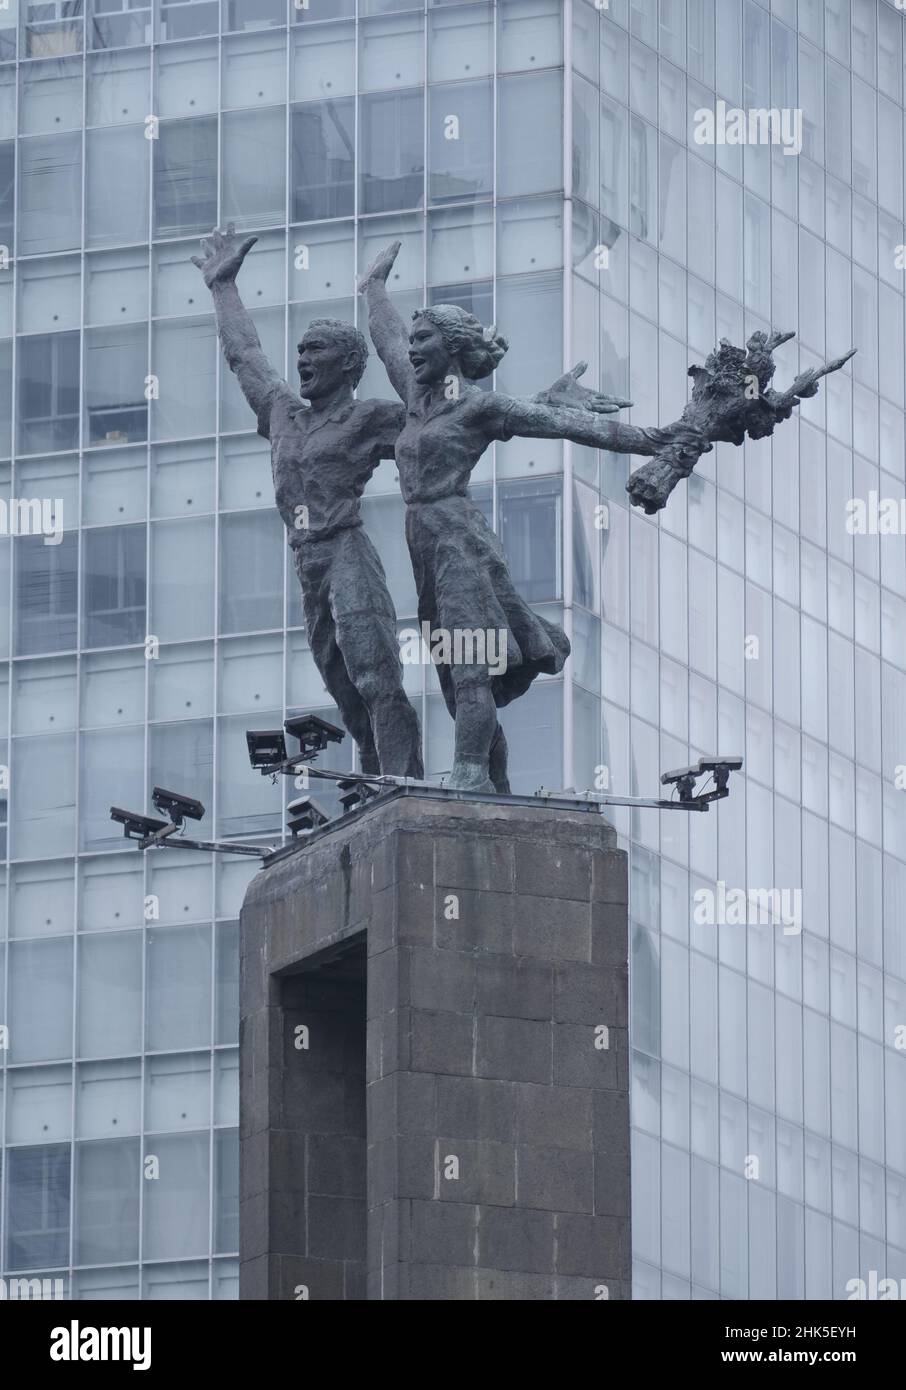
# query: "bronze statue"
{"type": "Point", "coordinates": [322, 456]}
{"type": "Point", "coordinates": [459, 565]}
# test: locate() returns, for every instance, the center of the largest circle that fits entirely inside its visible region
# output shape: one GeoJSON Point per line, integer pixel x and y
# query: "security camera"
{"type": "Point", "coordinates": [176, 806]}
{"type": "Point", "coordinates": [136, 826]}
{"type": "Point", "coordinates": [313, 733]}
{"type": "Point", "coordinates": [680, 775]}
{"type": "Point", "coordinates": [720, 769]}
{"type": "Point", "coordinates": [684, 780]}
{"type": "Point", "coordinates": [720, 764]}
{"type": "Point", "coordinates": [267, 748]}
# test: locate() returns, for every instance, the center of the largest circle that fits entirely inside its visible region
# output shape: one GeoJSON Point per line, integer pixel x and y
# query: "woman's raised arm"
{"type": "Point", "coordinates": [386, 326]}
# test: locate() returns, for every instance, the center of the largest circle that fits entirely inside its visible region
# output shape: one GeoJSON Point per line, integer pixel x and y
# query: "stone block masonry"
{"type": "Point", "coordinates": [434, 1083]}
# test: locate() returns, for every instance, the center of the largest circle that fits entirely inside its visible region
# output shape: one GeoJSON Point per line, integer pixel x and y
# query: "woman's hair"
{"type": "Point", "coordinates": [477, 349]}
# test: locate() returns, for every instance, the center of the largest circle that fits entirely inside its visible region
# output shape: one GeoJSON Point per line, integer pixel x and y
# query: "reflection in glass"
{"type": "Point", "coordinates": [116, 185]}
{"type": "Point", "coordinates": [118, 24]}
{"type": "Point", "coordinates": [50, 193]}
{"type": "Point", "coordinates": [116, 361]}
{"type": "Point", "coordinates": [188, 19]}
{"type": "Point", "coordinates": [185, 177]}
{"type": "Point", "coordinates": [107, 1177]}
{"type": "Point", "coordinates": [37, 1229]}
{"type": "Point", "coordinates": [530, 530]}
{"type": "Point", "coordinates": [391, 157]}
{"type": "Point", "coordinates": [115, 588]}
{"type": "Point", "coordinates": [48, 392]}
{"type": "Point", "coordinates": [323, 154]}
{"type": "Point", "coordinates": [459, 141]}
{"type": "Point", "coordinates": [46, 588]}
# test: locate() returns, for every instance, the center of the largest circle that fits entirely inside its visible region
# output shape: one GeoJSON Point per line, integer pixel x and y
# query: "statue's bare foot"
{"type": "Point", "coordinates": [470, 774]}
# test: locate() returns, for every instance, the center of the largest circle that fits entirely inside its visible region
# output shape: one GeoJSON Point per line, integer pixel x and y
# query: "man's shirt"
{"type": "Point", "coordinates": [321, 463]}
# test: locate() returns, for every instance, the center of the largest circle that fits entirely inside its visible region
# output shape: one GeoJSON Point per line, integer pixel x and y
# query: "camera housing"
{"type": "Point", "coordinates": [135, 826]}
{"type": "Point", "coordinates": [313, 733]}
{"type": "Point", "coordinates": [684, 780]}
{"type": "Point", "coordinates": [720, 764]}
{"type": "Point", "coordinates": [720, 769]}
{"type": "Point", "coordinates": [267, 748]}
{"type": "Point", "coordinates": [179, 808]}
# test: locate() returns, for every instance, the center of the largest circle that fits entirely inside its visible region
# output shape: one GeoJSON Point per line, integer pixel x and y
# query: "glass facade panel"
{"type": "Point", "coordinates": [391, 154]}
{"type": "Point", "coordinates": [105, 1218]}
{"type": "Point", "coordinates": [185, 177]}
{"type": "Point", "coordinates": [48, 393]}
{"type": "Point", "coordinates": [323, 160]}
{"type": "Point", "coordinates": [37, 1207]}
{"type": "Point", "coordinates": [50, 193]}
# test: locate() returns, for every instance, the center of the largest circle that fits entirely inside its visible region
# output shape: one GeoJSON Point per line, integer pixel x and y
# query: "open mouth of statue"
{"type": "Point", "coordinates": [306, 375]}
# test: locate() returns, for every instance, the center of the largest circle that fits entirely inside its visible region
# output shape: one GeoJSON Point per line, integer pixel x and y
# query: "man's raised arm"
{"type": "Point", "coordinates": [223, 257]}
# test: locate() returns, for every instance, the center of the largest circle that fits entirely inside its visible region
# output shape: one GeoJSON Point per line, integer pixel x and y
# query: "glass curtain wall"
{"type": "Point", "coordinates": [769, 1151]}
{"type": "Point", "coordinates": [166, 621]}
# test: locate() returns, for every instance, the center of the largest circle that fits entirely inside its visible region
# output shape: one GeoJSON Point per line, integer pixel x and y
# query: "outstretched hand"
{"type": "Point", "coordinates": [380, 267]}
{"type": "Point", "coordinates": [765, 407]}
{"type": "Point", "coordinates": [567, 393]}
{"type": "Point", "coordinates": [806, 384]}
{"type": "Point", "coordinates": [223, 256]}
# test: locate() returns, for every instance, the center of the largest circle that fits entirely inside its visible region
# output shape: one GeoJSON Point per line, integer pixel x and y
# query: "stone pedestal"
{"type": "Point", "coordinates": [434, 1063]}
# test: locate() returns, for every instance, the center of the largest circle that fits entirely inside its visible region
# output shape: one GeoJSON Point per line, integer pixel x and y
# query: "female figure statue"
{"type": "Point", "coordinates": [460, 569]}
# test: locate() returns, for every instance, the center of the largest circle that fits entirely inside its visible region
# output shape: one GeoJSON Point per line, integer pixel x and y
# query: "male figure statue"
{"type": "Point", "coordinates": [322, 455]}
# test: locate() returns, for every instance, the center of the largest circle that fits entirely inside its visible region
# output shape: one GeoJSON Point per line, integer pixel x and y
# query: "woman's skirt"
{"type": "Point", "coordinates": [464, 587]}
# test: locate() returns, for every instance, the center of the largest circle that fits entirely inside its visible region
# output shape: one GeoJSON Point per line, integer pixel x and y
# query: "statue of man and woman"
{"type": "Point", "coordinates": [325, 445]}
